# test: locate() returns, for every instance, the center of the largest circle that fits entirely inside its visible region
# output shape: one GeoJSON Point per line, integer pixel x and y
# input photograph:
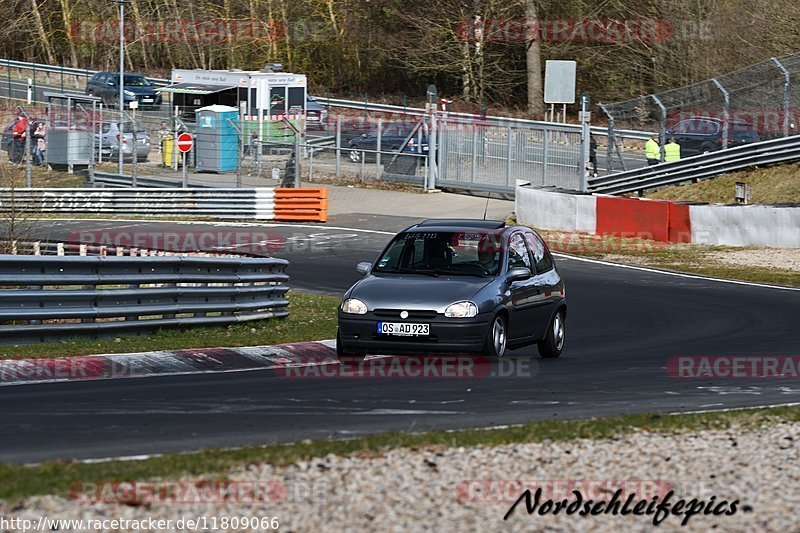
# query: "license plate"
{"type": "Point", "coordinates": [147, 99]}
{"type": "Point", "coordinates": [403, 329]}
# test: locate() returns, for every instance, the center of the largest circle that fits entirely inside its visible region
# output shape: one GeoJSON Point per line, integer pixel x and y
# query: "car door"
{"type": "Point", "coordinates": [523, 294]}
{"type": "Point", "coordinates": [546, 282]}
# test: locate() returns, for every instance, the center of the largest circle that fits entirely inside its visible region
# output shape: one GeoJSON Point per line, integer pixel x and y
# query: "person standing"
{"type": "Point", "coordinates": [672, 151]}
{"type": "Point", "coordinates": [18, 134]}
{"type": "Point", "coordinates": [39, 136]}
{"type": "Point", "coordinates": [652, 150]}
{"type": "Point", "coordinates": [163, 132]}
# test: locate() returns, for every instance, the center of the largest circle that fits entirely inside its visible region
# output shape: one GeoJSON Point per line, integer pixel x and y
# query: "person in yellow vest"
{"type": "Point", "coordinates": [672, 151]}
{"type": "Point", "coordinates": [652, 150]}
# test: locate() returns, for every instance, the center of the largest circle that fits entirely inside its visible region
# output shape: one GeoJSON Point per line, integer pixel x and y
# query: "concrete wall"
{"type": "Point", "coordinates": [556, 211]}
{"type": "Point", "coordinates": [752, 225]}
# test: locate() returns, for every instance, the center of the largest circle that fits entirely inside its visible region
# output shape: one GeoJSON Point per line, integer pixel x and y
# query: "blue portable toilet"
{"type": "Point", "coordinates": [217, 139]}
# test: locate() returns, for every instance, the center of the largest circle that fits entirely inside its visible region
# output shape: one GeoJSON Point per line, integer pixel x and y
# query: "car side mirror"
{"type": "Point", "coordinates": [519, 274]}
{"type": "Point", "coordinates": [363, 268]}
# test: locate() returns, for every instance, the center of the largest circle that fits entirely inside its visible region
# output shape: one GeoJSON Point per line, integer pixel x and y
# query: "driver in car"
{"type": "Point", "coordinates": [487, 255]}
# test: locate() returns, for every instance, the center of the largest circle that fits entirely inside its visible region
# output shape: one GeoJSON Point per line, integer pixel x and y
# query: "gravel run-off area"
{"type": "Point", "coordinates": [782, 258]}
{"type": "Point", "coordinates": [471, 489]}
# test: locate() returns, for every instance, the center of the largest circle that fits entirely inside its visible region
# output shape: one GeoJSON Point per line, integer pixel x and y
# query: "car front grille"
{"type": "Point", "coordinates": [412, 314]}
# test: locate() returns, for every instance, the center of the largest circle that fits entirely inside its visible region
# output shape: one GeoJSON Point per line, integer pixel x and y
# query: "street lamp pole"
{"type": "Point", "coordinates": [121, 80]}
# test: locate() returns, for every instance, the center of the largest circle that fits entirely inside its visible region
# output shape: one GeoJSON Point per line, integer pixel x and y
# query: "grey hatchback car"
{"type": "Point", "coordinates": [456, 286]}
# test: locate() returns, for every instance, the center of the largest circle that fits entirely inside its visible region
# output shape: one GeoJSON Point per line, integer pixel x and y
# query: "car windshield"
{"type": "Point", "coordinates": [136, 81]}
{"type": "Point", "coordinates": [468, 253]}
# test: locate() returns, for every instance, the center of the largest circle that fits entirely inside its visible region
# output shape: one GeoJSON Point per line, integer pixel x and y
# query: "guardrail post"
{"type": "Point", "coordinates": [378, 151]}
{"type": "Point", "coordinates": [338, 145]}
{"type": "Point", "coordinates": [509, 133]}
{"type": "Point", "coordinates": [786, 95]}
{"type": "Point", "coordinates": [610, 139]}
{"type": "Point", "coordinates": [8, 72]}
{"type": "Point", "coordinates": [473, 168]}
{"type": "Point", "coordinates": [726, 107]}
{"type": "Point", "coordinates": [662, 126]}
{"type": "Point", "coordinates": [545, 153]}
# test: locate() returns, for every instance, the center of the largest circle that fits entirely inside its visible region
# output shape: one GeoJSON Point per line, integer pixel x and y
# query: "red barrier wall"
{"type": "Point", "coordinates": [680, 225]}
{"type": "Point", "coordinates": [627, 217]}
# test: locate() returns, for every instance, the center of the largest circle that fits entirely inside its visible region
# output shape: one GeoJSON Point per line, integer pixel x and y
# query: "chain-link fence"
{"type": "Point", "coordinates": [338, 143]}
{"type": "Point", "coordinates": [759, 102]}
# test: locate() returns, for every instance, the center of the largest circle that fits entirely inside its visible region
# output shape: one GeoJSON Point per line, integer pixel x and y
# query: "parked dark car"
{"type": "Point", "coordinates": [106, 86]}
{"type": "Point", "coordinates": [456, 286]}
{"type": "Point", "coordinates": [699, 135]}
{"type": "Point", "coordinates": [392, 138]}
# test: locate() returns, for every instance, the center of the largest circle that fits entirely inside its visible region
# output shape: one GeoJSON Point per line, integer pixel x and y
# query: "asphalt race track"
{"type": "Point", "coordinates": [623, 326]}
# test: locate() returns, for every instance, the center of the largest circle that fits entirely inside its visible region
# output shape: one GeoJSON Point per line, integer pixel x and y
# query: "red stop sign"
{"type": "Point", "coordinates": [185, 142]}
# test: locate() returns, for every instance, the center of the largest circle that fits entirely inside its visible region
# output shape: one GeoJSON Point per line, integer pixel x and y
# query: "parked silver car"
{"type": "Point", "coordinates": [107, 141]}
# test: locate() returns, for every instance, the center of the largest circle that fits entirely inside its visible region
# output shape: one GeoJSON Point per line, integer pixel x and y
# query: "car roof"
{"type": "Point", "coordinates": [718, 120]}
{"type": "Point", "coordinates": [444, 224]}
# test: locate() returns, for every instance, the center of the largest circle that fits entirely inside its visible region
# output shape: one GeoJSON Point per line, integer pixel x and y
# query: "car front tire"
{"type": "Point", "coordinates": [553, 344]}
{"type": "Point", "coordinates": [497, 338]}
{"type": "Point", "coordinates": [355, 154]}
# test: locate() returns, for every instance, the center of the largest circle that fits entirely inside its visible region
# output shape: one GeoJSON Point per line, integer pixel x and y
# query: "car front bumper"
{"type": "Point", "coordinates": [359, 333]}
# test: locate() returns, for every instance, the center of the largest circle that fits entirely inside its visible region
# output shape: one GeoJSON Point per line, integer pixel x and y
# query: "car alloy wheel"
{"type": "Point", "coordinates": [552, 345]}
{"type": "Point", "coordinates": [558, 331]}
{"type": "Point", "coordinates": [497, 340]}
{"type": "Point", "coordinates": [355, 155]}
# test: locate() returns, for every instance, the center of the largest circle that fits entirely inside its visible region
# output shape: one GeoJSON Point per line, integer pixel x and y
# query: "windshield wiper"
{"type": "Point", "coordinates": [457, 273]}
{"type": "Point", "coordinates": [432, 273]}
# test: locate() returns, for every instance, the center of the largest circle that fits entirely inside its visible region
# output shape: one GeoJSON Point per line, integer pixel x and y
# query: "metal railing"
{"type": "Point", "coordinates": [702, 166]}
{"type": "Point", "coordinates": [248, 204]}
{"type": "Point", "coordinates": [44, 298]}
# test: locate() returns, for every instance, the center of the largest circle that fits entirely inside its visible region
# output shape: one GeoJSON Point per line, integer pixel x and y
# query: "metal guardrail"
{"type": "Point", "coordinates": [111, 179]}
{"type": "Point", "coordinates": [258, 204]}
{"type": "Point", "coordinates": [45, 298]}
{"type": "Point", "coordinates": [698, 167]}
{"type": "Point", "coordinates": [67, 71]}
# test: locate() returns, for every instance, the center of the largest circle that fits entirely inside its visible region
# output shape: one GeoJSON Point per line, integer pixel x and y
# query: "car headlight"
{"type": "Point", "coordinates": [461, 310]}
{"type": "Point", "coordinates": [353, 306]}
{"type": "Point", "coordinates": [128, 93]}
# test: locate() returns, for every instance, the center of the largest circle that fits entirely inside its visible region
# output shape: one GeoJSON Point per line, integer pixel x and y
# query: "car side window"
{"type": "Point", "coordinates": [541, 255]}
{"type": "Point", "coordinates": [517, 253]}
{"type": "Point", "coordinates": [683, 126]}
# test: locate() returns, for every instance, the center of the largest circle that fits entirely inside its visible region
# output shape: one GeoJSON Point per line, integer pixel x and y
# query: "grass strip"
{"type": "Point", "coordinates": [18, 481]}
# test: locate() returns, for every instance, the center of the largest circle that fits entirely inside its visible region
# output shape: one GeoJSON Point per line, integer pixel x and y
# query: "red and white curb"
{"type": "Point", "coordinates": [166, 363]}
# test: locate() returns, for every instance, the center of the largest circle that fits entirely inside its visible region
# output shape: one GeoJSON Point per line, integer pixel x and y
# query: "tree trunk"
{"type": "Point", "coordinates": [48, 48]}
{"type": "Point", "coordinates": [67, 16]}
{"type": "Point", "coordinates": [533, 56]}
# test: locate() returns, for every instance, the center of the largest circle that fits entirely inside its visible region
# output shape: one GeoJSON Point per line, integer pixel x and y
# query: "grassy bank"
{"type": "Point", "coordinates": [770, 185]}
{"type": "Point", "coordinates": [18, 481]}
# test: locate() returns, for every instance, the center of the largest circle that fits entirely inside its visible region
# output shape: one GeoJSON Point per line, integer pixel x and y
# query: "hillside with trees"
{"type": "Point", "coordinates": [474, 51]}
